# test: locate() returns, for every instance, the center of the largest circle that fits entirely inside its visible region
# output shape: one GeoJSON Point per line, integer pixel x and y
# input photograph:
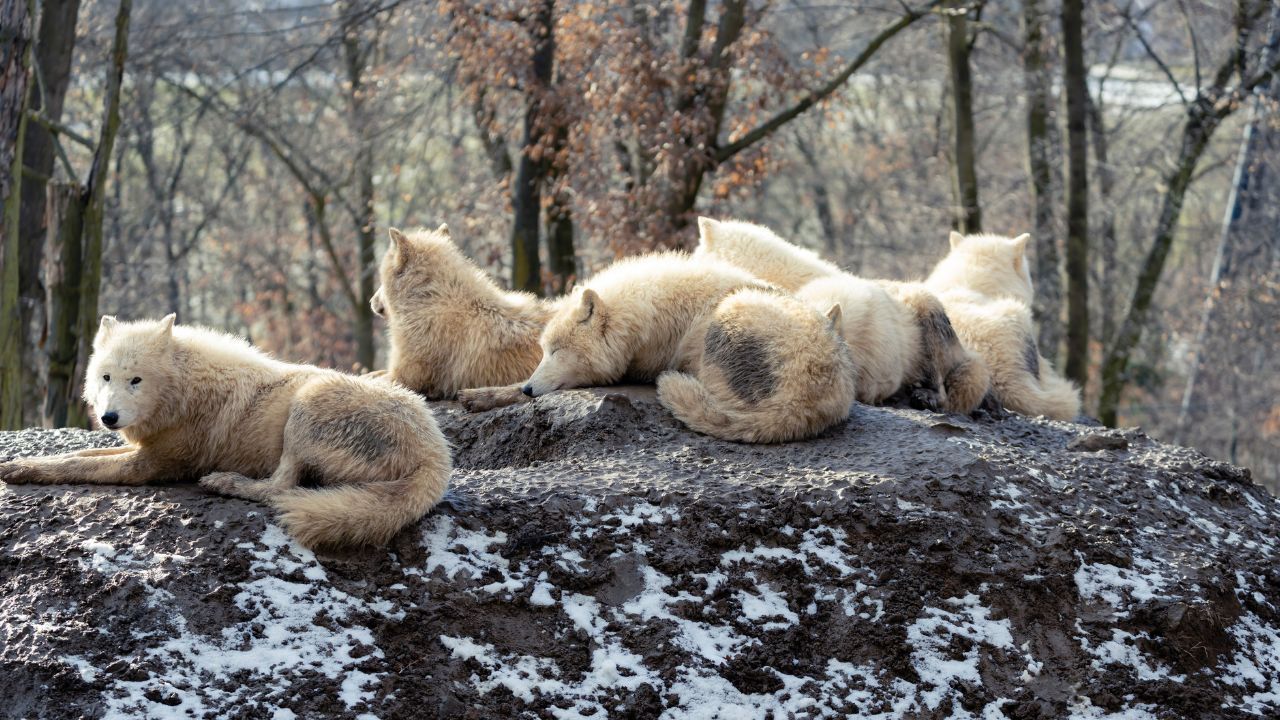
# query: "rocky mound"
{"type": "Point", "coordinates": [594, 559]}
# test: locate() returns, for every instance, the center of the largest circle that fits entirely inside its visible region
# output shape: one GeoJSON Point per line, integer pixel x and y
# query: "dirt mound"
{"type": "Point", "coordinates": [594, 559]}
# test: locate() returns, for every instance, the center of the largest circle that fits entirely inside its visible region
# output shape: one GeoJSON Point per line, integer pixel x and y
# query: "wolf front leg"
{"type": "Point", "coordinates": [110, 466]}
{"type": "Point", "coordinates": [241, 486]}
{"type": "Point", "coordinates": [481, 399]}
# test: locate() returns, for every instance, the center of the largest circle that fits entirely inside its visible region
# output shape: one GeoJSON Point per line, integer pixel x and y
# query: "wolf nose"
{"type": "Point", "coordinates": [527, 389]}
{"type": "Point", "coordinates": [109, 419]}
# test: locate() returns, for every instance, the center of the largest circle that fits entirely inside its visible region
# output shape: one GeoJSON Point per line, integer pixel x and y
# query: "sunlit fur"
{"type": "Point", "coordinates": [985, 285]}
{"type": "Point", "coordinates": [207, 405]}
{"type": "Point", "coordinates": [896, 331]}
{"type": "Point", "coordinates": [645, 316]}
{"type": "Point", "coordinates": [451, 327]}
{"type": "Point", "coordinates": [808, 360]}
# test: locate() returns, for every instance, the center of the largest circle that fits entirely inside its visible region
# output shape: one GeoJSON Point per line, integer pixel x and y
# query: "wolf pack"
{"type": "Point", "coordinates": [749, 338]}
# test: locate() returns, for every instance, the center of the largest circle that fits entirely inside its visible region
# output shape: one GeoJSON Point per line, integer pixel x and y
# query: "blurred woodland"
{"type": "Point", "coordinates": [239, 163]}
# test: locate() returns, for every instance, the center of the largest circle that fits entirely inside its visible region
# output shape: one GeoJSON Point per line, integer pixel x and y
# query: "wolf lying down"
{"type": "Point", "coordinates": [350, 460]}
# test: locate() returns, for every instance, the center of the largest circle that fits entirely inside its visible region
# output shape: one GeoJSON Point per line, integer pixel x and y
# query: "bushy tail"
{"type": "Point", "coordinates": [967, 383]}
{"type": "Point", "coordinates": [695, 405]}
{"type": "Point", "coordinates": [1059, 397]}
{"type": "Point", "coordinates": [1050, 395]}
{"type": "Point", "coordinates": [363, 514]}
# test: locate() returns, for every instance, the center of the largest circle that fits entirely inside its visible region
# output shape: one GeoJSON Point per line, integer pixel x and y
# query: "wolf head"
{"type": "Point", "coordinates": [575, 348]}
{"type": "Point", "coordinates": [131, 375]}
{"type": "Point", "coordinates": [415, 266]}
{"type": "Point", "coordinates": [992, 265]}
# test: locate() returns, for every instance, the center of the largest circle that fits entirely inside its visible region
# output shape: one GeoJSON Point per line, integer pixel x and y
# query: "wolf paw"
{"type": "Point", "coordinates": [223, 483]}
{"type": "Point", "coordinates": [481, 399]}
{"type": "Point", "coordinates": [922, 398]}
{"type": "Point", "coordinates": [18, 472]}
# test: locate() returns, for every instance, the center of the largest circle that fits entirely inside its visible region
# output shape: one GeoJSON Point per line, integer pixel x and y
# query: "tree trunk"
{"type": "Point", "coordinates": [95, 189]}
{"type": "Point", "coordinates": [62, 406]}
{"type": "Point", "coordinates": [16, 18]}
{"type": "Point", "coordinates": [560, 254]}
{"type": "Point", "coordinates": [1251, 214]}
{"type": "Point", "coordinates": [1204, 115]}
{"type": "Point", "coordinates": [1074, 80]}
{"type": "Point", "coordinates": [53, 51]}
{"type": "Point", "coordinates": [1200, 125]}
{"type": "Point", "coordinates": [968, 215]}
{"type": "Point", "coordinates": [357, 57]}
{"type": "Point", "coordinates": [526, 193]}
{"type": "Point", "coordinates": [1106, 219]}
{"type": "Point", "coordinates": [1048, 274]}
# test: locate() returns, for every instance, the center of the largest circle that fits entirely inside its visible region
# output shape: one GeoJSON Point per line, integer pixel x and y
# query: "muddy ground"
{"type": "Point", "coordinates": [594, 559]}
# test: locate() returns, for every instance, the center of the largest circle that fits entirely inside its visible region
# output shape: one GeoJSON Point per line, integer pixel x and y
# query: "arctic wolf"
{"type": "Point", "coordinates": [350, 461]}
{"type": "Point", "coordinates": [898, 333]}
{"type": "Point", "coordinates": [733, 357]}
{"type": "Point", "coordinates": [985, 285]}
{"type": "Point", "coordinates": [451, 326]}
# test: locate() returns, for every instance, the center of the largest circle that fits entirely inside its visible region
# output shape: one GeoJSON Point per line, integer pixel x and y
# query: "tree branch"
{"type": "Point", "coordinates": [771, 125]}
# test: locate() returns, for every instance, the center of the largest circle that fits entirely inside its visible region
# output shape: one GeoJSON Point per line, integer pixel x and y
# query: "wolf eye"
{"type": "Point", "coordinates": [135, 381]}
{"type": "Point", "coordinates": [106, 378]}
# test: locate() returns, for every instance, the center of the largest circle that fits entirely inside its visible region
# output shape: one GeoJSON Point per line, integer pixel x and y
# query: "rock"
{"type": "Point", "coordinates": [595, 558]}
{"type": "Point", "coordinates": [1097, 441]}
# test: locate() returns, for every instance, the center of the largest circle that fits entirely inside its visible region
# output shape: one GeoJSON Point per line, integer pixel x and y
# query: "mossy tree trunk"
{"type": "Point", "coordinates": [968, 215]}
{"type": "Point", "coordinates": [16, 20]}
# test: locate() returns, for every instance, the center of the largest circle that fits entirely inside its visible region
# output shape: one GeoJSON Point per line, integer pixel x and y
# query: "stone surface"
{"type": "Point", "coordinates": [596, 559]}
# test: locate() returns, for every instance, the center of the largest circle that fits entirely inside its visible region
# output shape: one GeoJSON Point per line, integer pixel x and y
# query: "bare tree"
{"type": "Point", "coordinates": [959, 46]}
{"type": "Point", "coordinates": [1040, 156]}
{"type": "Point", "coordinates": [1205, 112]}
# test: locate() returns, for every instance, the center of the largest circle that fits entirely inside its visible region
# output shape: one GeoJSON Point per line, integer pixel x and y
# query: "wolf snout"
{"type": "Point", "coordinates": [527, 389]}
{"type": "Point", "coordinates": [110, 419]}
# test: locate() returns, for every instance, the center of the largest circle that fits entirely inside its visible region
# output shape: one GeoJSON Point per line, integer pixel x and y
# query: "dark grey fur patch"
{"type": "Point", "coordinates": [1031, 357]}
{"type": "Point", "coordinates": [363, 433]}
{"type": "Point", "coordinates": [936, 324]}
{"type": "Point", "coordinates": [743, 359]}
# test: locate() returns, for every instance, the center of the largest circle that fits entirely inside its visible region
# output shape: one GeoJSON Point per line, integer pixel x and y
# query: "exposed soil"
{"type": "Point", "coordinates": [595, 559]}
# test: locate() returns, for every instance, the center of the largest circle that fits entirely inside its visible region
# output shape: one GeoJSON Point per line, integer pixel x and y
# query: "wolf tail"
{"type": "Point", "coordinates": [1057, 397]}
{"type": "Point", "coordinates": [1050, 394]}
{"type": "Point", "coordinates": [361, 514]}
{"type": "Point", "coordinates": [695, 405]}
{"type": "Point", "coordinates": [966, 383]}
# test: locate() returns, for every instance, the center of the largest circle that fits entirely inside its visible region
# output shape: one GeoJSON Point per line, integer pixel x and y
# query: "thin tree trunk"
{"type": "Point", "coordinates": [1048, 273]}
{"type": "Point", "coordinates": [526, 193]}
{"type": "Point", "coordinates": [62, 260]}
{"type": "Point", "coordinates": [1074, 80]}
{"type": "Point", "coordinates": [1200, 125]}
{"type": "Point", "coordinates": [16, 18]}
{"type": "Point", "coordinates": [1204, 115]}
{"type": "Point", "coordinates": [560, 253]}
{"type": "Point", "coordinates": [1251, 209]}
{"type": "Point", "coordinates": [53, 51]}
{"type": "Point", "coordinates": [95, 189]}
{"type": "Point", "coordinates": [356, 59]}
{"type": "Point", "coordinates": [968, 215]}
{"type": "Point", "coordinates": [1106, 219]}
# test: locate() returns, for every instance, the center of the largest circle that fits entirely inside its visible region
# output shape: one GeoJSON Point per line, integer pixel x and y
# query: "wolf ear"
{"type": "Point", "coordinates": [706, 229]}
{"type": "Point", "coordinates": [105, 326]}
{"type": "Point", "coordinates": [956, 239]}
{"type": "Point", "coordinates": [833, 317]}
{"type": "Point", "coordinates": [443, 229]}
{"type": "Point", "coordinates": [403, 248]}
{"type": "Point", "coordinates": [1020, 251]}
{"type": "Point", "coordinates": [589, 307]}
{"type": "Point", "coordinates": [166, 325]}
